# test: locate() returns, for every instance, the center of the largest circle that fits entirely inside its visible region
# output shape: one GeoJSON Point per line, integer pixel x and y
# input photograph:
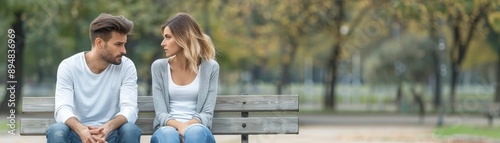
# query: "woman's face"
{"type": "Point", "coordinates": [169, 45]}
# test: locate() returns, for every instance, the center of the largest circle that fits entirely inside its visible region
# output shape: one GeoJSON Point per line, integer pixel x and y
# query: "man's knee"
{"type": "Point", "coordinates": [130, 129]}
{"type": "Point", "coordinates": [58, 127]}
{"type": "Point", "coordinates": [129, 132]}
{"type": "Point", "coordinates": [58, 130]}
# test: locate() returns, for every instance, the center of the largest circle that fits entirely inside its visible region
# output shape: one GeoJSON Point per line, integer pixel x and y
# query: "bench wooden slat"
{"type": "Point", "coordinates": [221, 125]}
{"type": "Point", "coordinates": [38, 104]}
{"type": "Point", "coordinates": [256, 125]}
{"type": "Point", "coordinates": [225, 103]}
{"type": "Point", "coordinates": [257, 103]}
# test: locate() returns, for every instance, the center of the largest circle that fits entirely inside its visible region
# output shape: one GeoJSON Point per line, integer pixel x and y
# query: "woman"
{"type": "Point", "coordinates": [184, 83]}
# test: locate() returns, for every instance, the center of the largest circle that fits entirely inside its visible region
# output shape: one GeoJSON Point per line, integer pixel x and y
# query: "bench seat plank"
{"type": "Point", "coordinates": [221, 125]}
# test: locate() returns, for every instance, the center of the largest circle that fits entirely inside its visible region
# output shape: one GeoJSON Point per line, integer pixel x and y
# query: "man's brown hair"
{"type": "Point", "coordinates": [104, 24]}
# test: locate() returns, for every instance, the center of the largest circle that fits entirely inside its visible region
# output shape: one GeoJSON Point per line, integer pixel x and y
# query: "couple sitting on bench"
{"type": "Point", "coordinates": [96, 91]}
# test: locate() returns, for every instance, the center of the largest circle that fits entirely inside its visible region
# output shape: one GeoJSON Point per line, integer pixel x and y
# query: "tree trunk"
{"type": "Point", "coordinates": [286, 63]}
{"type": "Point", "coordinates": [399, 96]}
{"type": "Point", "coordinates": [497, 86]}
{"type": "Point", "coordinates": [437, 76]}
{"type": "Point", "coordinates": [417, 97]}
{"type": "Point", "coordinates": [285, 68]}
{"type": "Point", "coordinates": [493, 39]}
{"type": "Point", "coordinates": [453, 84]}
{"type": "Point", "coordinates": [461, 46]}
{"type": "Point", "coordinates": [206, 18]}
{"type": "Point", "coordinates": [14, 83]}
{"type": "Point", "coordinates": [434, 34]}
{"type": "Point", "coordinates": [330, 97]}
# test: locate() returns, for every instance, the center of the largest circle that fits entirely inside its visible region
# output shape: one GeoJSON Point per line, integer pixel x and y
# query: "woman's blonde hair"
{"type": "Point", "coordinates": [190, 37]}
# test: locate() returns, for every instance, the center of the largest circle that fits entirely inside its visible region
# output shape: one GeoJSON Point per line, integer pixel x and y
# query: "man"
{"type": "Point", "coordinates": [96, 91]}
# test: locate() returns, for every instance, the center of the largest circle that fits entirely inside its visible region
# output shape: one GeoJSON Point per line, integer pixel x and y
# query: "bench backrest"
{"type": "Point", "coordinates": [38, 114]}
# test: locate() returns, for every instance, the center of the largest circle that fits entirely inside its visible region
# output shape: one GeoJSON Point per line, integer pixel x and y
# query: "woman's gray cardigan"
{"type": "Point", "coordinates": [207, 94]}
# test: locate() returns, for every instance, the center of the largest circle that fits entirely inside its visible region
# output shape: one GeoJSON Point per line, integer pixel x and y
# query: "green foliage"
{"type": "Point", "coordinates": [58, 29]}
{"type": "Point", "coordinates": [257, 33]}
{"type": "Point", "coordinates": [493, 26]}
{"type": "Point", "coordinates": [406, 58]}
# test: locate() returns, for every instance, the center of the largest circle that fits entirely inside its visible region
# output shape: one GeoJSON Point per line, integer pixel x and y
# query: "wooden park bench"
{"type": "Point", "coordinates": [491, 112]}
{"type": "Point", "coordinates": [234, 115]}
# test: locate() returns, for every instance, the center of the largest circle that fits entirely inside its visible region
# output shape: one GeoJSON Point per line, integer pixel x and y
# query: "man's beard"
{"type": "Point", "coordinates": [109, 57]}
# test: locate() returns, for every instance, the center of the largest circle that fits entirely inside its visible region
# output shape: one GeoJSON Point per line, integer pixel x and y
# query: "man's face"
{"type": "Point", "coordinates": [114, 49]}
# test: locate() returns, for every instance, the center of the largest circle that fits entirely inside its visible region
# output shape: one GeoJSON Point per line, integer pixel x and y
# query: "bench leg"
{"type": "Point", "coordinates": [244, 138]}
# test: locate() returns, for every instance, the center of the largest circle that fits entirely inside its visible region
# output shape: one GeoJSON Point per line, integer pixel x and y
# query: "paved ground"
{"type": "Point", "coordinates": [316, 133]}
{"type": "Point", "coordinates": [341, 128]}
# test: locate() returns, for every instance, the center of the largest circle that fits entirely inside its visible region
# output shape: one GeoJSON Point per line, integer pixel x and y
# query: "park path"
{"type": "Point", "coordinates": [338, 128]}
{"type": "Point", "coordinates": [308, 133]}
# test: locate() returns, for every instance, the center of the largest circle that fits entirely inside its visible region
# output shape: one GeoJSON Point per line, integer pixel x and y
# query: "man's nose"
{"type": "Point", "coordinates": [123, 50]}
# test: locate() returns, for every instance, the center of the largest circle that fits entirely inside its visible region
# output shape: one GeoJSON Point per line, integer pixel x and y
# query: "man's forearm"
{"type": "Point", "coordinates": [74, 124]}
{"type": "Point", "coordinates": [116, 122]}
{"type": "Point", "coordinates": [82, 130]}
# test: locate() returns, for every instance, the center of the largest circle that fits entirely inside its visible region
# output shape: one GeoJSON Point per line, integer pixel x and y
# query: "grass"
{"type": "Point", "coordinates": [489, 132]}
{"type": "Point", "coordinates": [4, 124]}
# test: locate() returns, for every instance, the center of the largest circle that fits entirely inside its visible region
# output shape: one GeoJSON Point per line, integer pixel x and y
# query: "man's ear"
{"type": "Point", "coordinates": [99, 43]}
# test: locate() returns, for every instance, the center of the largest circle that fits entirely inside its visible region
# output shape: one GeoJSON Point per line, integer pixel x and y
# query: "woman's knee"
{"type": "Point", "coordinates": [165, 134]}
{"type": "Point", "coordinates": [198, 133]}
{"type": "Point", "coordinates": [167, 131]}
{"type": "Point", "coordinates": [196, 129]}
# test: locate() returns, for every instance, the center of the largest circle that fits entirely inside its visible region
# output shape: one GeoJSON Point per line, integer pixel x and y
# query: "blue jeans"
{"type": "Point", "coordinates": [61, 133]}
{"type": "Point", "coordinates": [195, 133]}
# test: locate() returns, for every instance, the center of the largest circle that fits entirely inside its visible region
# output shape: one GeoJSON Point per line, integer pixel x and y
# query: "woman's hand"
{"type": "Point", "coordinates": [182, 128]}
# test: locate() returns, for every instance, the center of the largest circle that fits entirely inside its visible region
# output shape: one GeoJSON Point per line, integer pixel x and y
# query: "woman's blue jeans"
{"type": "Point", "coordinates": [195, 133]}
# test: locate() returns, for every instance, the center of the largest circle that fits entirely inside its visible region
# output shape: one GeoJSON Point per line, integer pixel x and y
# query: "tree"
{"type": "Point", "coordinates": [291, 28]}
{"type": "Point", "coordinates": [434, 21]}
{"type": "Point", "coordinates": [427, 14]}
{"type": "Point", "coordinates": [464, 18]}
{"type": "Point", "coordinates": [492, 23]}
{"type": "Point", "coordinates": [15, 72]}
{"type": "Point", "coordinates": [273, 29]}
{"type": "Point", "coordinates": [404, 59]}
{"type": "Point", "coordinates": [44, 28]}
{"type": "Point", "coordinates": [333, 19]}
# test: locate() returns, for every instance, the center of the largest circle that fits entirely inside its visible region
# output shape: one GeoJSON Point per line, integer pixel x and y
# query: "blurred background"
{"type": "Point", "coordinates": [428, 60]}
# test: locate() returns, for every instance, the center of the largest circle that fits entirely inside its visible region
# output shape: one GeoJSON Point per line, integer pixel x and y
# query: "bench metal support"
{"type": "Point", "coordinates": [244, 137]}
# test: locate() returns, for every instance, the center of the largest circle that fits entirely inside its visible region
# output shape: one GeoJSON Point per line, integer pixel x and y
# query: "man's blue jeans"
{"type": "Point", "coordinates": [61, 133]}
{"type": "Point", "coordinates": [195, 133]}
